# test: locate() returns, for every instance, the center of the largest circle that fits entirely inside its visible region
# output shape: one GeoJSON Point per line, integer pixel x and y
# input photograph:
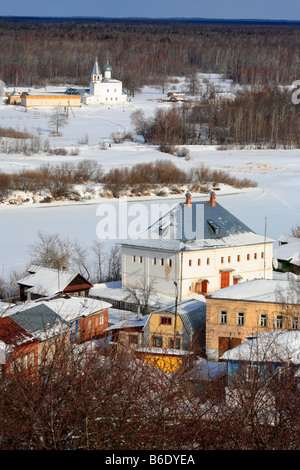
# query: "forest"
{"type": "Point", "coordinates": [37, 51]}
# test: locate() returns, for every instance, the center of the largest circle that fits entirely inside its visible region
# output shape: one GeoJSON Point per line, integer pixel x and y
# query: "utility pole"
{"type": "Point", "coordinates": [175, 318]}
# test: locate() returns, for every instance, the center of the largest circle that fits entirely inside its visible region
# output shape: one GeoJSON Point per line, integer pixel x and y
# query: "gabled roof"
{"type": "Point", "coordinates": [46, 281]}
{"type": "Point", "coordinates": [66, 307]}
{"type": "Point", "coordinates": [40, 321]}
{"type": "Point", "coordinates": [197, 226]}
{"type": "Point", "coordinates": [13, 334]}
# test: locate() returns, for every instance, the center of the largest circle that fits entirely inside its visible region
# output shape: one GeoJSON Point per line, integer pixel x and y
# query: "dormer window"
{"type": "Point", "coordinates": [215, 228]}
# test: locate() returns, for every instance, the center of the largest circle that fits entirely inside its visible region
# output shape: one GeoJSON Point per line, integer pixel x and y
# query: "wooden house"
{"type": "Point", "coordinates": [177, 327]}
{"type": "Point", "coordinates": [42, 282]}
{"type": "Point", "coordinates": [20, 350]}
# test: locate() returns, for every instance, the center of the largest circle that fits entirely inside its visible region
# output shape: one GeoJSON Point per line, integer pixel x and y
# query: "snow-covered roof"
{"type": "Point", "coordinates": [67, 307]}
{"type": "Point", "coordinates": [115, 291]}
{"type": "Point", "coordinates": [128, 323]}
{"type": "Point", "coordinates": [197, 227]}
{"type": "Point", "coordinates": [40, 322]}
{"type": "Point", "coordinates": [260, 290]}
{"type": "Point", "coordinates": [46, 281]}
{"type": "Point", "coordinates": [289, 250]}
{"type": "Point", "coordinates": [271, 346]}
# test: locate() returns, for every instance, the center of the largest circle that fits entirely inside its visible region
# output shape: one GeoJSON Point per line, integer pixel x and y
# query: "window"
{"type": "Point", "coordinates": [241, 318]}
{"type": "Point", "coordinates": [262, 255]}
{"type": "Point", "coordinates": [229, 259]}
{"type": "Point", "coordinates": [207, 261]}
{"type": "Point", "coordinates": [89, 324]}
{"type": "Point", "coordinates": [255, 255]}
{"type": "Point", "coordinates": [295, 323]}
{"type": "Point", "coordinates": [154, 261]}
{"type": "Point", "coordinates": [263, 320]}
{"type": "Point", "coordinates": [170, 263]}
{"type": "Point", "coordinates": [278, 322]}
{"type": "Point", "coordinates": [190, 262]}
{"type": "Point", "coordinates": [162, 262]}
{"type": "Point", "coordinates": [238, 258]}
{"type": "Point", "coordinates": [25, 362]}
{"type": "Point", "coordinates": [133, 339]}
{"type": "Point", "coordinates": [133, 259]}
{"type": "Point", "coordinates": [166, 320]}
{"type": "Point", "coordinates": [31, 360]}
{"type": "Point", "coordinates": [177, 343]}
{"type": "Point", "coordinates": [82, 293]}
{"type": "Point", "coordinates": [223, 319]}
{"type": "Point", "coordinates": [141, 259]}
{"type": "Point", "coordinates": [157, 341]}
{"type": "Point", "coordinates": [199, 262]}
{"type": "Point", "coordinates": [248, 257]}
{"type": "Point", "coordinates": [222, 259]}
{"type": "Point", "coordinates": [101, 319]}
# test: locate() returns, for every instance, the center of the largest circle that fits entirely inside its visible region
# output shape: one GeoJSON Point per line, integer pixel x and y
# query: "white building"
{"type": "Point", "coordinates": [104, 89]}
{"type": "Point", "coordinates": [198, 247]}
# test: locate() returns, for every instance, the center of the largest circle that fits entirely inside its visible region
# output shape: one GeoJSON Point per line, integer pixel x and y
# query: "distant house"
{"type": "Point", "coordinates": [14, 97]}
{"type": "Point", "coordinates": [200, 246]}
{"type": "Point", "coordinates": [256, 306]}
{"type": "Point", "coordinates": [180, 328]}
{"type": "Point", "coordinates": [62, 100]}
{"type": "Point", "coordinates": [287, 254]}
{"type": "Point", "coordinates": [265, 356]}
{"type": "Point", "coordinates": [42, 282]}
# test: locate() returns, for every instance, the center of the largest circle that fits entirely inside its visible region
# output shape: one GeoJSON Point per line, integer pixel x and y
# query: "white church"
{"type": "Point", "coordinates": [103, 88]}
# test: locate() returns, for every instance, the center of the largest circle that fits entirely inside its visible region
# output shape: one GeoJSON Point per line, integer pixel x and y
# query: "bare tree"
{"type": "Point", "coordinates": [51, 251]}
{"type": "Point", "coordinates": [57, 120]}
{"type": "Point", "coordinates": [141, 294]}
{"type": "Point", "coordinates": [100, 257]}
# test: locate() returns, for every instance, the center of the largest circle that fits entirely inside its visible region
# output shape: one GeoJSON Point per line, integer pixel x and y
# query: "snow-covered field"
{"type": "Point", "coordinates": [277, 172]}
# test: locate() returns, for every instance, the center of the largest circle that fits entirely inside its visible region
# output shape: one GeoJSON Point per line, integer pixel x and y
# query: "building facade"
{"type": "Point", "coordinates": [201, 247]}
{"type": "Point", "coordinates": [251, 307]}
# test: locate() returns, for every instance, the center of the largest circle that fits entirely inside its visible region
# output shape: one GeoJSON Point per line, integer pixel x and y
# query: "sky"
{"type": "Point", "coordinates": [218, 9]}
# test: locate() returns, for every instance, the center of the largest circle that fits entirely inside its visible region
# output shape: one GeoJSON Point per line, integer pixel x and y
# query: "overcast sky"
{"type": "Point", "coordinates": [220, 9]}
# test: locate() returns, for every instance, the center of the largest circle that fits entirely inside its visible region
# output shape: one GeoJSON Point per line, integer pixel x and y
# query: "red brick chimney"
{"type": "Point", "coordinates": [212, 199]}
{"type": "Point", "coordinates": [188, 200]}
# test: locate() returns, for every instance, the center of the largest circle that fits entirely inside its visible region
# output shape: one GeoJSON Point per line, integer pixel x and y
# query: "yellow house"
{"type": "Point", "coordinates": [255, 306]}
{"type": "Point", "coordinates": [50, 99]}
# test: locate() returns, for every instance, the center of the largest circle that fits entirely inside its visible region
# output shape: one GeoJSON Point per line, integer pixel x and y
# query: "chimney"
{"type": "Point", "coordinates": [188, 200]}
{"type": "Point", "coordinates": [213, 199]}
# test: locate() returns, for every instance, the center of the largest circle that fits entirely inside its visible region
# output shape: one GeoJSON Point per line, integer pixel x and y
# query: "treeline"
{"type": "Point", "coordinates": [146, 51]}
{"type": "Point", "coordinates": [59, 180]}
{"type": "Point", "coordinates": [264, 118]}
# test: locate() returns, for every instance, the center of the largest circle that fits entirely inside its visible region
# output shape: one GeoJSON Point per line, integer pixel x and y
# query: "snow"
{"type": "Point", "coordinates": [260, 290]}
{"type": "Point", "coordinates": [275, 346]}
{"type": "Point", "coordinates": [275, 201]}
